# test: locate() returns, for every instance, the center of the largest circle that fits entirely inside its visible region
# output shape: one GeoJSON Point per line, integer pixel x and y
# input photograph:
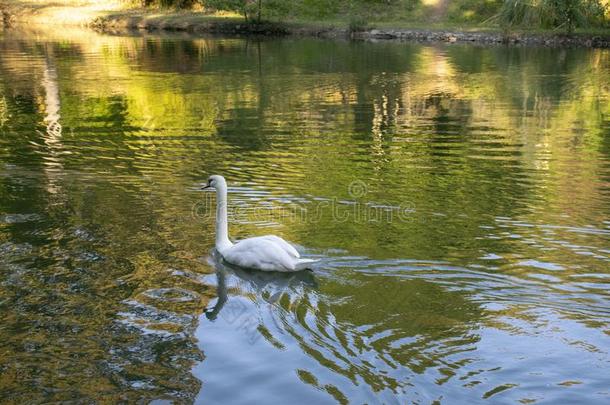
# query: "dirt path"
{"type": "Point", "coordinates": [439, 10]}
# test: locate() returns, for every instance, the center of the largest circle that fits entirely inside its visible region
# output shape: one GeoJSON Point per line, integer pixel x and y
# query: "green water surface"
{"type": "Point", "coordinates": [457, 196]}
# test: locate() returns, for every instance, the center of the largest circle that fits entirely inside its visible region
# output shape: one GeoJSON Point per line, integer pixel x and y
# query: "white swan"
{"type": "Point", "coordinates": [266, 253]}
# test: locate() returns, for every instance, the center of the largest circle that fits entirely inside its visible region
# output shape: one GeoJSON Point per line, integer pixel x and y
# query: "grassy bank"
{"type": "Point", "coordinates": [422, 24]}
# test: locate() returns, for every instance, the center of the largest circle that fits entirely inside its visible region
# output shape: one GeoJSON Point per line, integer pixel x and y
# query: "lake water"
{"type": "Point", "coordinates": [457, 196]}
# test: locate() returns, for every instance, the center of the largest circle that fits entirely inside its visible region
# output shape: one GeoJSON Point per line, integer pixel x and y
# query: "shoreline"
{"type": "Point", "coordinates": [117, 20]}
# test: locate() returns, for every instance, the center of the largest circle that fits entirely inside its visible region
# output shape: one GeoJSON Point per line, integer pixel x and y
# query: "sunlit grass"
{"type": "Point", "coordinates": [83, 12]}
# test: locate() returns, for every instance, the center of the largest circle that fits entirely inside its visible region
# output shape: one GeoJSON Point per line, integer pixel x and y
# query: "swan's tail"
{"type": "Point", "coordinates": [303, 264]}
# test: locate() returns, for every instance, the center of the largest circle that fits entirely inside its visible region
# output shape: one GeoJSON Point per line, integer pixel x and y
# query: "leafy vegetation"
{"type": "Point", "coordinates": [358, 23]}
{"type": "Point", "coordinates": [554, 14]}
{"type": "Point", "coordinates": [356, 15]}
{"type": "Point", "coordinates": [360, 14]}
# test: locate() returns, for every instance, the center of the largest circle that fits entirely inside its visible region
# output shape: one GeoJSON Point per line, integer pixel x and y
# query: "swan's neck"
{"type": "Point", "coordinates": [222, 226]}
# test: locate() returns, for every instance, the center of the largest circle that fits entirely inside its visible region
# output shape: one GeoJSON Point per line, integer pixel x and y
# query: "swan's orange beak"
{"type": "Point", "coordinates": [206, 186]}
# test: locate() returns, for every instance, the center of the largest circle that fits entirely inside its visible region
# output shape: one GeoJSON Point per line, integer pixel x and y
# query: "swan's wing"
{"type": "Point", "coordinates": [260, 253]}
{"type": "Point", "coordinates": [284, 245]}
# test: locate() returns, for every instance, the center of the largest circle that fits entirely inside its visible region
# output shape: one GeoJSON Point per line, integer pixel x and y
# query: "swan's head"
{"type": "Point", "coordinates": [216, 182]}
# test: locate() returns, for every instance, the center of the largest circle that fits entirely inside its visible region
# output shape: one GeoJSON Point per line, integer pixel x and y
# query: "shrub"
{"type": "Point", "coordinates": [557, 14]}
{"type": "Point", "coordinates": [358, 23]}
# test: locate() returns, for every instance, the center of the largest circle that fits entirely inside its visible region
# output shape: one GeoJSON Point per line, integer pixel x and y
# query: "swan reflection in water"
{"type": "Point", "coordinates": [412, 329]}
{"type": "Point", "coordinates": [268, 286]}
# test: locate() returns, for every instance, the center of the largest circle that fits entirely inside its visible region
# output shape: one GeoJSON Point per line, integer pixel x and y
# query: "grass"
{"type": "Point", "coordinates": [84, 12]}
{"type": "Point", "coordinates": [120, 14]}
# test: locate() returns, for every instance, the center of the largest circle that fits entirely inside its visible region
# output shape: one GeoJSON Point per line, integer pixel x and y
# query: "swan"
{"type": "Point", "coordinates": [266, 253]}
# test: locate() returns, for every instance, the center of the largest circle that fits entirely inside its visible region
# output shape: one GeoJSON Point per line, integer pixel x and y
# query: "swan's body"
{"type": "Point", "coordinates": [266, 253]}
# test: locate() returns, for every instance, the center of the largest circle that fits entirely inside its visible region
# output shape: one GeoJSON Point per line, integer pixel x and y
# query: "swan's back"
{"type": "Point", "coordinates": [287, 247]}
{"type": "Point", "coordinates": [263, 253]}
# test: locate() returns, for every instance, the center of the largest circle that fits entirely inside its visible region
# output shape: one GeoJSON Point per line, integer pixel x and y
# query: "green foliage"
{"type": "Point", "coordinates": [317, 8]}
{"type": "Point", "coordinates": [558, 14]}
{"type": "Point", "coordinates": [358, 23]}
{"type": "Point", "coordinates": [277, 9]}
{"type": "Point", "coordinates": [358, 14]}
{"type": "Point", "coordinates": [354, 11]}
